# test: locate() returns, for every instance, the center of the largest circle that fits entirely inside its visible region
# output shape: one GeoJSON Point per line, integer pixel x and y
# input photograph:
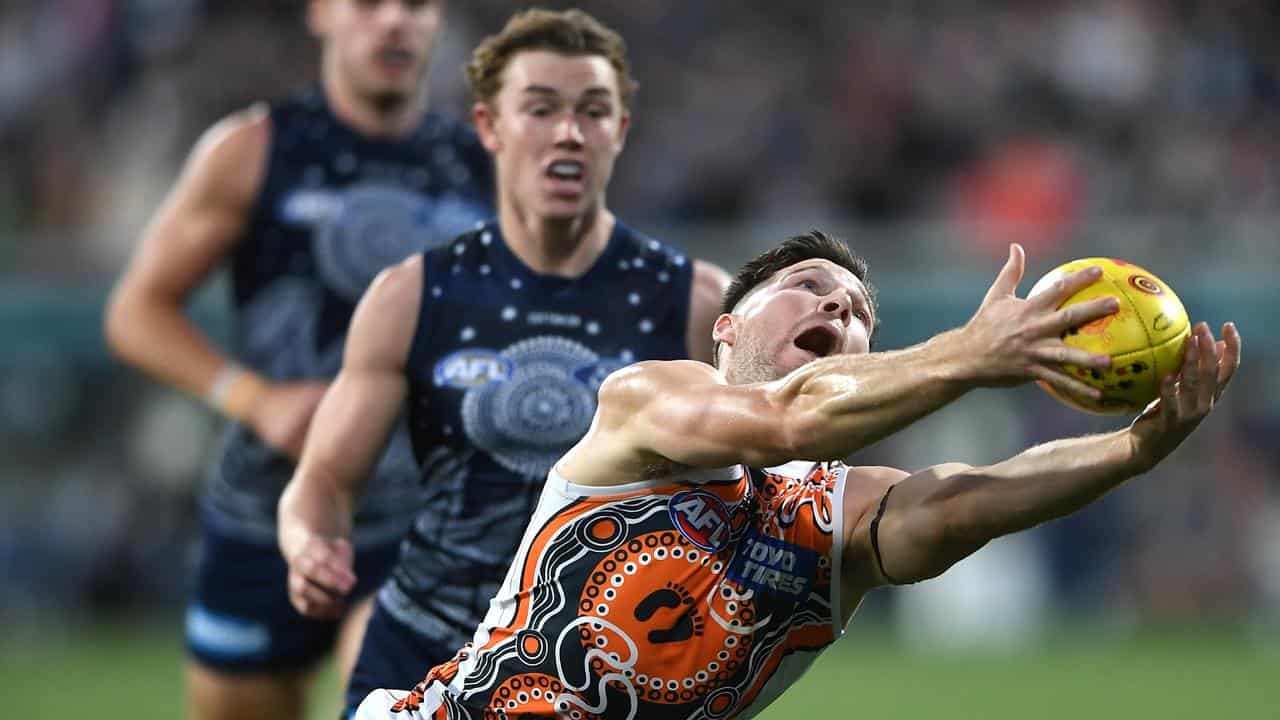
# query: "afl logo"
{"type": "Point", "coordinates": [471, 368]}
{"type": "Point", "coordinates": [1142, 283]}
{"type": "Point", "coordinates": [701, 518]}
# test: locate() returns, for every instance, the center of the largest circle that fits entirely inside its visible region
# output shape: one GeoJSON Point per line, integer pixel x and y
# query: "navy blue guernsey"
{"type": "Point", "coordinates": [503, 375]}
{"type": "Point", "coordinates": [335, 208]}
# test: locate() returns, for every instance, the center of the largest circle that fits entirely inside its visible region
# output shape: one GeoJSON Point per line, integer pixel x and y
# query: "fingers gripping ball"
{"type": "Point", "coordinates": [1145, 338]}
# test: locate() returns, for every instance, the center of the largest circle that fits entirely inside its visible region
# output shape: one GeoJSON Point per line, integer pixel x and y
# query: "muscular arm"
{"type": "Point", "coordinates": [684, 412]}
{"type": "Point", "coordinates": [705, 298]}
{"type": "Point", "coordinates": [937, 517]}
{"type": "Point", "coordinates": [196, 226]}
{"type": "Point", "coordinates": [347, 435]}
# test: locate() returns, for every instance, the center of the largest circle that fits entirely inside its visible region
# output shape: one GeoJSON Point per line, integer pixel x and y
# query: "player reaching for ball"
{"type": "Point", "coordinates": [693, 554]}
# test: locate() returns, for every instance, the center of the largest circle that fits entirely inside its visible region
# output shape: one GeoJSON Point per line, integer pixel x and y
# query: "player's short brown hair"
{"type": "Point", "coordinates": [811, 245]}
{"type": "Point", "coordinates": [568, 32]}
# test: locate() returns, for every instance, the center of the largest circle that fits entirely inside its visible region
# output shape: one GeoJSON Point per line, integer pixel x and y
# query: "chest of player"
{"type": "Point", "coordinates": [510, 362]}
{"type": "Point", "coordinates": [534, 358]}
{"type": "Point", "coordinates": [336, 207]}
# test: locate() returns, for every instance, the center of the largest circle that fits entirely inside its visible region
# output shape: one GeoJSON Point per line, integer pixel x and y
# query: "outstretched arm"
{"type": "Point", "coordinates": [931, 520]}
{"type": "Point", "coordinates": [684, 412]}
{"type": "Point", "coordinates": [348, 434]}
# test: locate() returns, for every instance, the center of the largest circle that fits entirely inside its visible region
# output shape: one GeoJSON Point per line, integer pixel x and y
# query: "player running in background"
{"type": "Point", "coordinates": [497, 343]}
{"type": "Point", "coordinates": [660, 577]}
{"type": "Point", "coordinates": [305, 201]}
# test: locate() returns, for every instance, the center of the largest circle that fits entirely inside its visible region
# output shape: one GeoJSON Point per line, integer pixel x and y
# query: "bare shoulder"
{"type": "Point", "coordinates": [231, 154]}
{"type": "Point", "coordinates": [706, 294]}
{"type": "Point", "coordinates": [397, 287]}
{"type": "Point", "coordinates": [628, 390]}
{"type": "Point", "coordinates": [616, 448]}
{"type": "Point", "coordinates": [383, 326]}
{"type": "Point", "coordinates": [650, 376]}
{"type": "Point", "coordinates": [237, 136]}
{"type": "Point", "coordinates": [864, 487]}
{"type": "Point", "coordinates": [709, 281]}
{"type": "Point", "coordinates": [868, 483]}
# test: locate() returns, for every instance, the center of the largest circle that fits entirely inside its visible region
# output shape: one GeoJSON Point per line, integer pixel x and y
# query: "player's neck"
{"type": "Point", "coordinates": [564, 248]}
{"type": "Point", "coordinates": [367, 119]}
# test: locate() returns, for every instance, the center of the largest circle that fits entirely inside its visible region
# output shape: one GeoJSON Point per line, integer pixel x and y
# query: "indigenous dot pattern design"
{"type": "Point", "coordinates": [335, 208]}
{"type": "Point", "coordinates": [504, 369]}
{"type": "Point", "coordinates": [609, 611]}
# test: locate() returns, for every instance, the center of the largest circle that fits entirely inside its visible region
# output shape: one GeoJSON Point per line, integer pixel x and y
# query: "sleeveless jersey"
{"type": "Point", "coordinates": [503, 374]}
{"type": "Point", "coordinates": [703, 595]}
{"type": "Point", "coordinates": [335, 207]}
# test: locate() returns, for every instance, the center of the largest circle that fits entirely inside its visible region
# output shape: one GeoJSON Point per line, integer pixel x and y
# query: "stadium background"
{"type": "Point", "coordinates": [929, 134]}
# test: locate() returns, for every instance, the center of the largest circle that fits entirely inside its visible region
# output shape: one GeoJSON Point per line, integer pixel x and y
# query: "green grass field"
{"type": "Point", "coordinates": [133, 672]}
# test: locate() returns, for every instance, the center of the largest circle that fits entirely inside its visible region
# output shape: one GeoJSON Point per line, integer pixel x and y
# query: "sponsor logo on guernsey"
{"type": "Point", "coordinates": [773, 566]}
{"type": "Point", "coordinates": [701, 518]}
{"type": "Point", "coordinates": [471, 368]}
{"type": "Point", "coordinates": [553, 319]}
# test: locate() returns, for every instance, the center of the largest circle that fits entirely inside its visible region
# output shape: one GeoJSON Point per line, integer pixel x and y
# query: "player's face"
{"type": "Point", "coordinates": [809, 310]}
{"type": "Point", "coordinates": [554, 128]}
{"type": "Point", "coordinates": [379, 49]}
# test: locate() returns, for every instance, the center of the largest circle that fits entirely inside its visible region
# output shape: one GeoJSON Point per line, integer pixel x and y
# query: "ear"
{"type": "Point", "coordinates": [725, 329]}
{"type": "Point", "coordinates": [318, 17]}
{"type": "Point", "coordinates": [486, 120]}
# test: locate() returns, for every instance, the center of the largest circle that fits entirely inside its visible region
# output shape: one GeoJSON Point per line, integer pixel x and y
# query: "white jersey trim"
{"type": "Point", "coordinates": [837, 554]}
{"type": "Point", "coordinates": [693, 476]}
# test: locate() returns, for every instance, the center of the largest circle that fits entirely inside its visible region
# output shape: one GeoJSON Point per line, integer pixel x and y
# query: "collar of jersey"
{"type": "Point", "coordinates": [512, 265]}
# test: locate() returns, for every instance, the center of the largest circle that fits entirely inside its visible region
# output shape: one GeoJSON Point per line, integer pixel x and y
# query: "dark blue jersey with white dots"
{"type": "Point", "coordinates": [503, 374]}
{"type": "Point", "coordinates": [335, 207]}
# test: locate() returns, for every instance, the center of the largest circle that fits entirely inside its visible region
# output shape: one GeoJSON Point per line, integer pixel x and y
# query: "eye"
{"type": "Point", "coordinates": [808, 284]}
{"type": "Point", "coordinates": [540, 110]}
{"type": "Point", "coordinates": [597, 112]}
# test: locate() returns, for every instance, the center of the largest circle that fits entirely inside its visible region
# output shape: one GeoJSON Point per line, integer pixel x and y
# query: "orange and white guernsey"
{"type": "Point", "coordinates": [701, 595]}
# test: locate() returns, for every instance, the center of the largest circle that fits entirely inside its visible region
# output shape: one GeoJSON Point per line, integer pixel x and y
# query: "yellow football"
{"type": "Point", "coordinates": [1145, 338]}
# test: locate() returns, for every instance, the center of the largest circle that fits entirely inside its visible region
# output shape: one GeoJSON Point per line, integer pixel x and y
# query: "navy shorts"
{"type": "Point", "coordinates": [393, 655]}
{"type": "Point", "coordinates": [239, 618]}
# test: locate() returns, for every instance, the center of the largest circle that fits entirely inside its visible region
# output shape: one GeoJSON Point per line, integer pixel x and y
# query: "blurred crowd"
{"type": "Point", "coordinates": [1034, 116]}
{"type": "Point", "coordinates": [936, 128]}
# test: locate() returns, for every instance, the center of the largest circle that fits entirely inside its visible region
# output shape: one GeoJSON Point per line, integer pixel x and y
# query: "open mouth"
{"type": "Point", "coordinates": [820, 340]}
{"type": "Point", "coordinates": [396, 57]}
{"type": "Point", "coordinates": [565, 170]}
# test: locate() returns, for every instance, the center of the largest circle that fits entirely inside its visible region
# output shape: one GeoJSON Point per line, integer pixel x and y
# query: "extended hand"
{"type": "Point", "coordinates": [1189, 396]}
{"type": "Point", "coordinates": [1012, 340]}
{"type": "Point", "coordinates": [283, 414]}
{"type": "Point", "coordinates": [321, 576]}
